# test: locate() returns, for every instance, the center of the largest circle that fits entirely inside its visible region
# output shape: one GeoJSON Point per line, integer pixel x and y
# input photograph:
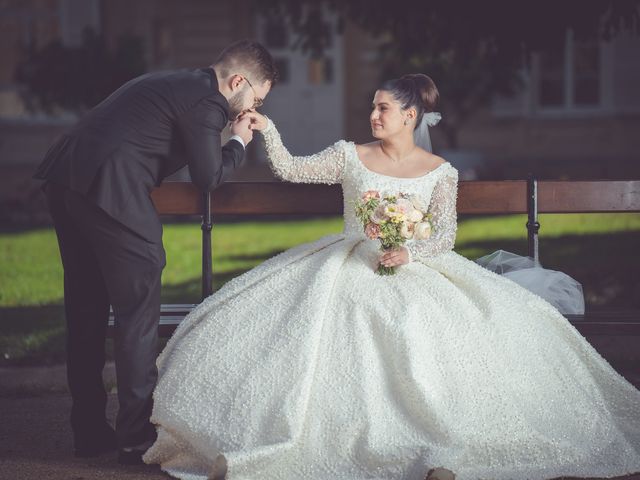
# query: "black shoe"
{"type": "Point", "coordinates": [95, 443]}
{"type": "Point", "coordinates": [130, 457]}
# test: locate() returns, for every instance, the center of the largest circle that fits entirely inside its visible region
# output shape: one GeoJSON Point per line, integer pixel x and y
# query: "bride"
{"type": "Point", "coordinates": [313, 366]}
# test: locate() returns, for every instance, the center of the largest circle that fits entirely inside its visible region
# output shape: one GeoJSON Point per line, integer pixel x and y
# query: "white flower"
{"type": "Point", "coordinates": [415, 216]}
{"type": "Point", "coordinates": [419, 204]}
{"type": "Point", "coordinates": [422, 231]}
{"type": "Point", "coordinates": [404, 205]}
{"type": "Point", "coordinates": [406, 230]}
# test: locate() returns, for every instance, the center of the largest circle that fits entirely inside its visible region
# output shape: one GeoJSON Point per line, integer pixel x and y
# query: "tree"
{"type": "Point", "coordinates": [77, 78]}
{"type": "Point", "coordinates": [472, 49]}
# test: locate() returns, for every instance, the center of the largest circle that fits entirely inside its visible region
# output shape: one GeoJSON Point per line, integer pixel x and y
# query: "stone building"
{"type": "Point", "coordinates": [578, 115]}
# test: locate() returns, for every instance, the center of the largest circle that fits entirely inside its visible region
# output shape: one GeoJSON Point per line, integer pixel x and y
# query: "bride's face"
{"type": "Point", "coordinates": [387, 117]}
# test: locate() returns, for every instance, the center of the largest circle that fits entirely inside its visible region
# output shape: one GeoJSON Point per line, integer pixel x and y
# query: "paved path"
{"type": "Point", "coordinates": [35, 443]}
{"type": "Point", "coordinates": [35, 437]}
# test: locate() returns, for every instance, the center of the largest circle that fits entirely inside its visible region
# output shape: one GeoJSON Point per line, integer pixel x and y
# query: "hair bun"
{"type": "Point", "coordinates": [426, 89]}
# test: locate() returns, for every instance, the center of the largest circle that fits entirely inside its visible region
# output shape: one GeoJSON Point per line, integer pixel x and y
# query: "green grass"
{"type": "Point", "coordinates": [31, 272]}
{"type": "Point", "coordinates": [236, 247]}
{"type": "Point", "coordinates": [599, 250]}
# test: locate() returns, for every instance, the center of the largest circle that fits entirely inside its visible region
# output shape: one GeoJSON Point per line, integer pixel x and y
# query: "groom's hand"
{"type": "Point", "coordinates": [242, 127]}
{"type": "Point", "coordinates": [258, 121]}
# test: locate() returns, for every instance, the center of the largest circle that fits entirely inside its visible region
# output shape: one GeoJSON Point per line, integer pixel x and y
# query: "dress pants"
{"type": "Point", "coordinates": [106, 263]}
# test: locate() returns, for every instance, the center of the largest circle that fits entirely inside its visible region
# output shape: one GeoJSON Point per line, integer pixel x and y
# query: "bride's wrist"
{"type": "Point", "coordinates": [268, 127]}
{"type": "Point", "coordinates": [409, 255]}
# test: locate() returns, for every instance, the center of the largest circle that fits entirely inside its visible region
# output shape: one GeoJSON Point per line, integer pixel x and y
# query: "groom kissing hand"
{"type": "Point", "coordinates": [98, 180]}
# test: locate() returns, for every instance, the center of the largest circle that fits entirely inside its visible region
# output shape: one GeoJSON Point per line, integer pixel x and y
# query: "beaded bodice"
{"type": "Point", "coordinates": [339, 163]}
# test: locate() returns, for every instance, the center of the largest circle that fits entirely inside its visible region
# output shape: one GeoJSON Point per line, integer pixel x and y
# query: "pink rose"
{"type": "Point", "coordinates": [404, 205]}
{"type": "Point", "coordinates": [372, 230]}
{"type": "Point", "coordinates": [370, 194]}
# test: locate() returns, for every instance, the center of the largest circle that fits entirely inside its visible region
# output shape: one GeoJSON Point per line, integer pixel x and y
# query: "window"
{"type": "Point", "coordinates": [586, 74]}
{"type": "Point", "coordinates": [569, 78]}
{"type": "Point", "coordinates": [320, 71]}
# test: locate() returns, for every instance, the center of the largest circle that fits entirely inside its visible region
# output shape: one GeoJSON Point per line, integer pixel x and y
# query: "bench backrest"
{"type": "Point", "coordinates": [477, 197]}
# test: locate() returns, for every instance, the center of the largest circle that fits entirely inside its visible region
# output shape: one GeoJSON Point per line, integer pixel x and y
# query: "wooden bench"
{"type": "Point", "coordinates": [529, 197]}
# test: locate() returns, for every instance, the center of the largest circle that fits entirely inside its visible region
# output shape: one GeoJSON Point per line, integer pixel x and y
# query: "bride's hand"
{"type": "Point", "coordinates": [242, 128]}
{"type": "Point", "coordinates": [399, 256]}
{"type": "Point", "coordinates": [257, 120]}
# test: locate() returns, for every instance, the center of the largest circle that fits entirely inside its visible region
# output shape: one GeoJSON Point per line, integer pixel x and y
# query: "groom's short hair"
{"type": "Point", "coordinates": [250, 57]}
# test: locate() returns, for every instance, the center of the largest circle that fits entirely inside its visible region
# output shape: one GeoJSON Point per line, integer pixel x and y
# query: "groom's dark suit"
{"type": "Point", "coordinates": [99, 177]}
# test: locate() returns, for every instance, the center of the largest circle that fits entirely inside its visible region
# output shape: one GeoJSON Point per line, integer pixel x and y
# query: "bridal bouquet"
{"type": "Point", "coordinates": [393, 219]}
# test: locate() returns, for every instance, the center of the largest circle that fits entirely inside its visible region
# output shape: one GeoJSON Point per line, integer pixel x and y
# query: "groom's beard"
{"type": "Point", "coordinates": [235, 104]}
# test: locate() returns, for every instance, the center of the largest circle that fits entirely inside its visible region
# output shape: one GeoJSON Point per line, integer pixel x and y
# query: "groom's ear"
{"type": "Point", "coordinates": [235, 82]}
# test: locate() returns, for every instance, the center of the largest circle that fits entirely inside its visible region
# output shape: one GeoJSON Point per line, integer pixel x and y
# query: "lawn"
{"type": "Point", "coordinates": [599, 250]}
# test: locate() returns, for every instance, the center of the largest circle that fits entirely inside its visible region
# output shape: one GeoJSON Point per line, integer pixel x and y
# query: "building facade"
{"type": "Point", "coordinates": [577, 116]}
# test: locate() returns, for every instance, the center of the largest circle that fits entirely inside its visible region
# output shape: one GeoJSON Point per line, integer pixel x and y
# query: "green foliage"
{"type": "Point", "coordinates": [390, 235]}
{"type": "Point", "coordinates": [364, 210]}
{"type": "Point", "coordinates": [472, 50]}
{"type": "Point", "coordinates": [509, 28]}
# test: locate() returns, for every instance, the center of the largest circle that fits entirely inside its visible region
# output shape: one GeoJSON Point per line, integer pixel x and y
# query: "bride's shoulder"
{"type": "Point", "coordinates": [431, 159]}
{"type": "Point", "coordinates": [365, 149]}
{"type": "Point", "coordinates": [438, 160]}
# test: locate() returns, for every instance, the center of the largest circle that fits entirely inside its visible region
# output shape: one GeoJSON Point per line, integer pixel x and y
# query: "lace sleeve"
{"type": "Point", "coordinates": [323, 167]}
{"type": "Point", "coordinates": [445, 221]}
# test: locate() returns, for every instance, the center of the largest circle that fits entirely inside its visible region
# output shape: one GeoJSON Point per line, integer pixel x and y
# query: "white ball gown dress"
{"type": "Point", "coordinates": [311, 366]}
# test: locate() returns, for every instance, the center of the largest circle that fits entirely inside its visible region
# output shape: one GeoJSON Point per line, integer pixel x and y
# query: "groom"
{"type": "Point", "coordinates": [98, 180]}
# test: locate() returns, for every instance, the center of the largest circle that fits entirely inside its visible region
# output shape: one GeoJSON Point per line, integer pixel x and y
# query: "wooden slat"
{"type": "Point", "coordinates": [589, 196]}
{"type": "Point", "coordinates": [486, 197]}
{"type": "Point", "coordinates": [623, 329]}
{"type": "Point", "coordinates": [177, 198]}
{"type": "Point", "coordinates": [170, 316]}
{"type": "Point", "coordinates": [626, 322]}
{"type": "Point", "coordinates": [592, 324]}
{"type": "Point", "coordinates": [276, 198]}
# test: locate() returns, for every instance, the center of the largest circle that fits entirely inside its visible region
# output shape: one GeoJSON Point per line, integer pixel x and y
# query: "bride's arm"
{"type": "Point", "coordinates": [323, 167]}
{"type": "Point", "coordinates": [444, 220]}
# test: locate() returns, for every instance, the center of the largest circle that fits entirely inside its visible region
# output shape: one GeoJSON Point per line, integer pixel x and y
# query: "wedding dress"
{"type": "Point", "coordinates": [311, 366]}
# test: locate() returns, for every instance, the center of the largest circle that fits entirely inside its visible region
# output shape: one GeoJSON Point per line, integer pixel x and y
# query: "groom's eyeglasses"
{"type": "Point", "coordinates": [257, 101]}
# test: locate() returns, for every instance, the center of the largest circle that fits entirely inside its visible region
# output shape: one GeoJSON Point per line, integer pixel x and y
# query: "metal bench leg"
{"type": "Point", "coordinates": [207, 257]}
{"type": "Point", "coordinates": [533, 226]}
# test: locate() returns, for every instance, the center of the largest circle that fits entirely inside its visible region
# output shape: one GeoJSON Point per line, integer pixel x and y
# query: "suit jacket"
{"type": "Point", "coordinates": [146, 130]}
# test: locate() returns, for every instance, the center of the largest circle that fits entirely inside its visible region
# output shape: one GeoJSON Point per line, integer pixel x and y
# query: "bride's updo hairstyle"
{"type": "Point", "coordinates": [414, 90]}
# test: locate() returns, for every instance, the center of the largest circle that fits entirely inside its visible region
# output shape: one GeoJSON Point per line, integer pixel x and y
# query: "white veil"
{"type": "Point", "coordinates": [557, 288]}
{"type": "Point", "coordinates": [421, 134]}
